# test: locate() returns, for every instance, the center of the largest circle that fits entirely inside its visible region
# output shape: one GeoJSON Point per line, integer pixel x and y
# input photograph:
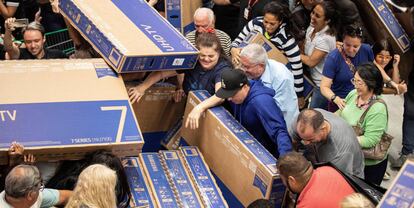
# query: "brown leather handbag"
{"type": "Point", "coordinates": [379, 151]}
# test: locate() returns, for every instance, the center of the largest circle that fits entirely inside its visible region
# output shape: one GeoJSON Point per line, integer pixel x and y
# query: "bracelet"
{"type": "Point", "coordinates": [388, 81]}
{"type": "Point", "coordinates": [333, 97]}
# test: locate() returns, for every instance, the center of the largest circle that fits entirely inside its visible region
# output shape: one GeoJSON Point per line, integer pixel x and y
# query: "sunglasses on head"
{"type": "Point", "coordinates": [354, 31]}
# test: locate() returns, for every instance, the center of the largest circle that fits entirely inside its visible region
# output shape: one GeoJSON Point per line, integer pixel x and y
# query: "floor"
{"type": "Point", "coordinates": [395, 110]}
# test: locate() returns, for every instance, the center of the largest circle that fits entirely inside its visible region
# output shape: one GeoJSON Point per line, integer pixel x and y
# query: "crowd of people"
{"type": "Point", "coordinates": [321, 39]}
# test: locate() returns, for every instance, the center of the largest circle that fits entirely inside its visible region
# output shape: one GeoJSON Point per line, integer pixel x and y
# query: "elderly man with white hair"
{"type": "Point", "coordinates": [274, 75]}
{"type": "Point", "coordinates": [204, 21]}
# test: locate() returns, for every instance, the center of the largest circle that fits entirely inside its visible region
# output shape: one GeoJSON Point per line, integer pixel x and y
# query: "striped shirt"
{"type": "Point", "coordinates": [282, 41]}
{"type": "Point", "coordinates": [225, 40]}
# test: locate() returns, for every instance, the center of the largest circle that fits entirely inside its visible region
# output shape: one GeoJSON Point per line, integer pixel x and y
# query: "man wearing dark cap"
{"type": "Point", "coordinates": [254, 107]}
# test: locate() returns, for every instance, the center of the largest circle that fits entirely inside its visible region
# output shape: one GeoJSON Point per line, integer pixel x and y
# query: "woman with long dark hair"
{"type": "Point", "coordinates": [277, 27]}
{"type": "Point", "coordinates": [320, 40]}
{"type": "Point", "coordinates": [388, 63]}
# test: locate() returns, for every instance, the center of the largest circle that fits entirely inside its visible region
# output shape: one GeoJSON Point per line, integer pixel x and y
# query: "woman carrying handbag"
{"type": "Point", "coordinates": [367, 112]}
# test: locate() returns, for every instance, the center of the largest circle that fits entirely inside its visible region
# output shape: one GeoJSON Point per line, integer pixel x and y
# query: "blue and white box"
{"type": "Point", "coordinates": [401, 192]}
{"type": "Point", "coordinates": [246, 168]}
{"type": "Point", "coordinates": [141, 195]}
{"type": "Point", "coordinates": [202, 177]}
{"type": "Point", "coordinates": [63, 109]}
{"type": "Point", "coordinates": [130, 35]}
{"type": "Point", "coordinates": [165, 193]}
{"type": "Point", "coordinates": [182, 181]}
{"type": "Point", "coordinates": [384, 25]}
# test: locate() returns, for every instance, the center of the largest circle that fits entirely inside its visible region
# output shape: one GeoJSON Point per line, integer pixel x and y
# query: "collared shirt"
{"type": "Point", "coordinates": [281, 40]}
{"type": "Point", "coordinates": [323, 42]}
{"type": "Point", "coordinates": [47, 198]}
{"type": "Point", "coordinates": [277, 77]}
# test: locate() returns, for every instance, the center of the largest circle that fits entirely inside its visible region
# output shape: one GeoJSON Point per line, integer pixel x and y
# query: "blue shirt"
{"type": "Point", "coordinates": [260, 115]}
{"type": "Point", "coordinates": [280, 79]}
{"type": "Point", "coordinates": [338, 70]}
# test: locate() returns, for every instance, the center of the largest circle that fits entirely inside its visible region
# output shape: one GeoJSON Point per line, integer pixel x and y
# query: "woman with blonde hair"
{"type": "Point", "coordinates": [356, 200]}
{"type": "Point", "coordinates": [95, 188]}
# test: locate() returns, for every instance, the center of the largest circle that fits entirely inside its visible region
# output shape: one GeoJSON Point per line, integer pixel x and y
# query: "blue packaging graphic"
{"type": "Point", "coordinates": [165, 194]}
{"type": "Point", "coordinates": [182, 182]}
{"type": "Point", "coordinates": [164, 48]}
{"type": "Point", "coordinates": [210, 193]}
{"type": "Point", "coordinates": [141, 195]}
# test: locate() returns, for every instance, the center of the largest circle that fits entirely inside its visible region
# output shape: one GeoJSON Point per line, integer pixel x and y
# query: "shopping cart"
{"type": "Point", "coordinates": [61, 40]}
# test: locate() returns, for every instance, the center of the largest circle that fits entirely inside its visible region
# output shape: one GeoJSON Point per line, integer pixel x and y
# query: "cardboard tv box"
{"type": "Point", "coordinates": [130, 35]}
{"type": "Point", "coordinates": [180, 179]}
{"type": "Point", "coordinates": [62, 109]}
{"type": "Point", "coordinates": [156, 111]}
{"type": "Point", "coordinates": [246, 168]}
{"type": "Point", "coordinates": [382, 24]}
{"type": "Point", "coordinates": [197, 167]}
{"type": "Point", "coordinates": [141, 194]}
{"type": "Point", "coordinates": [272, 51]}
{"type": "Point", "coordinates": [180, 13]}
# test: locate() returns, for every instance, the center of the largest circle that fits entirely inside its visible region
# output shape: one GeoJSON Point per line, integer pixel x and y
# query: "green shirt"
{"type": "Point", "coordinates": [374, 124]}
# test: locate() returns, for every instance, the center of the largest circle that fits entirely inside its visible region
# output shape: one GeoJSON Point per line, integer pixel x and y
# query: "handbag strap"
{"type": "Point", "coordinates": [362, 118]}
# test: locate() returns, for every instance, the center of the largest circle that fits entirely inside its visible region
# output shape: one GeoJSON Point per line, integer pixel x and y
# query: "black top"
{"type": "Point", "coordinates": [49, 54]}
{"type": "Point", "coordinates": [409, 97]}
{"type": "Point", "coordinates": [2, 52]}
{"type": "Point", "coordinates": [200, 79]}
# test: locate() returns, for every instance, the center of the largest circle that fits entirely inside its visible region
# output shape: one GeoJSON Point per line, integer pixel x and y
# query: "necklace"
{"type": "Point", "coordinates": [365, 105]}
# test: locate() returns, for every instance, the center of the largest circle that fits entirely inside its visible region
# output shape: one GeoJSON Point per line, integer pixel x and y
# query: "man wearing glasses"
{"type": "Point", "coordinates": [24, 189]}
{"type": "Point", "coordinates": [274, 75]}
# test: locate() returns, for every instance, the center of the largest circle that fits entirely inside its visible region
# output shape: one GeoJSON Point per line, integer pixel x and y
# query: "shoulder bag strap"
{"type": "Point", "coordinates": [361, 119]}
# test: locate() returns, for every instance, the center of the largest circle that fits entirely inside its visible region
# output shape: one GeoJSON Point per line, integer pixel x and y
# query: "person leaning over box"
{"type": "Point", "coordinates": [275, 75]}
{"type": "Point", "coordinates": [328, 138]}
{"type": "Point", "coordinates": [205, 75]}
{"type": "Point", "coordinates": [34, 41]}
{"type": "Point", "coordinates": [322, 187]}
{"type": "Point", "coordinates": [254, 107]}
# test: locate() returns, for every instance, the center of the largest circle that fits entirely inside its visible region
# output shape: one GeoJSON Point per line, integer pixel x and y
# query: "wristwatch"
{"type": "Point", "coordinates": [333, 97]}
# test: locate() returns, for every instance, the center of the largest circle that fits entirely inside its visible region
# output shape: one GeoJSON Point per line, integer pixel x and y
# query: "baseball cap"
{"type": "Point", "coordinates": [232, 80]}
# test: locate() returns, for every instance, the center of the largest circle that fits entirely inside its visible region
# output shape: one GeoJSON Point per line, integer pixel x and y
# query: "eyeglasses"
{"type": "Point", "coordinates": [357, 82]}
{"type": "Point", "coordinates": [245, 67]}
{"type": "Point", "coordinates": [388, 57]}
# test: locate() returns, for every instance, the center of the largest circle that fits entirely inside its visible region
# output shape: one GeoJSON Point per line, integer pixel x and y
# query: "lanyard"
{"type": "Point", "coordinates": [252, 3]}
{"type": "Point", "coordinates": [348, 62]}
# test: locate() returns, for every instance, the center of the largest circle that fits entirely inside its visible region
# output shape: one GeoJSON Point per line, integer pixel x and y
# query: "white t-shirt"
{"type": "Point", "coordinates": [322, 41]}
{"type": "Point", "coordinates": [47, 198]}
